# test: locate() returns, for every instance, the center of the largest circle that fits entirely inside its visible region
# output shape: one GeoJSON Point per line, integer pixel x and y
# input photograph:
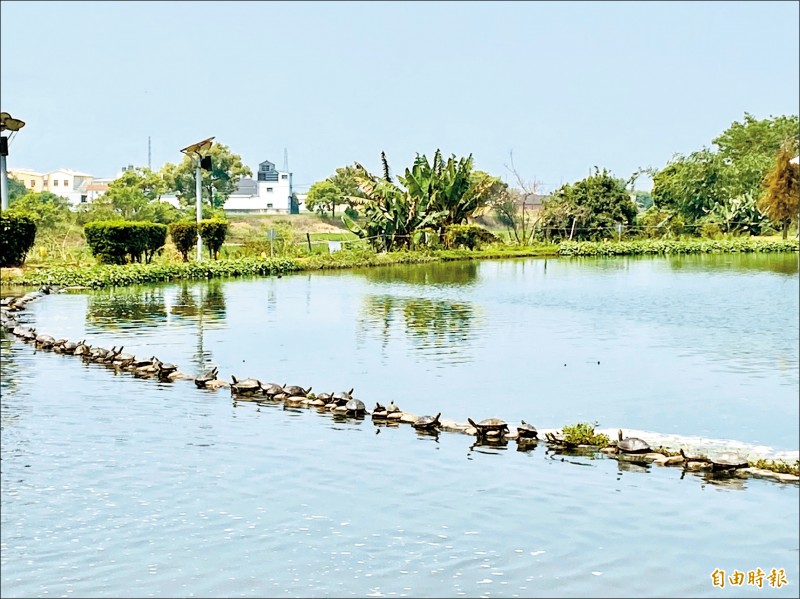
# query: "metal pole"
{"type": "Point", "coordinates": [199, 190]}
{"type": "Point", "coordinates": [4, 183]}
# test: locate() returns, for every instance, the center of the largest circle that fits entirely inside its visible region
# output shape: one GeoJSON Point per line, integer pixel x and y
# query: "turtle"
{"type": "Point", "coordinates": [295, 390]}
{"type": "Point", "coordinates": [44, 341]}
{"type": "Point", "coordinates": [427, 423]}
{"type": "Point", "coordinates": [10, 323]}
{"type": "Point", "coordinates": [142, 364]}
{"type": "Point", "coordinates": [380, 412]}
{"type": "Point", "coordinates": [59, 344]}
{"type": "Point", "coordinates": [164, 369]}
{"type": "Point", "coordinates": [123, 360]}
{"type": "Point", "coordinates": [245, 387]}
{"type": "Point", "coordinates": [724, 463]}
{"type": "Point", "coordinates": [95, 354]}
{"type": "Point", "coordinates": [555, 440]}
{"type": "Point", "coordinates": [325, 398]}
{"type": "Point", "coordinates": [206, 377]}
{"type": "Point", "coordinates": [272, 389]}
{"type": "Point", "coordinates": [82, 349]}
{"type": "Point", "coordinates": [70, 346]}
{"type": "Point", "coordinates": [633, 445]}
{"type": "Point", "coordinates": [355, 407]}
{"type": "Point", "coordinates": [527, 431]}
{"type": "Point", "coordinates": [21, 331]}
{"type": "Point", "coordinates": [113, 354]}
{"type": "Point", "coordinates": [342, 397]}
{"type": "Point", "coordinates": [490, 427]}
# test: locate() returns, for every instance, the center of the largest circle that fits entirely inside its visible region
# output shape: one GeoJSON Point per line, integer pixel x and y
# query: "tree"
{"type": "Point", "coordinates": [47, 209]}
{"type": "Point", "coordinates": [430, 197]}
{"type": "Point", "coordinates": [16, 189]}
{"type": "Point", "coordinates": [514, 207]}
{"type": "Point", "coordinates": [781, 196]}
{"type": "Point", "coordinates": [323, 197]}
{"type": "Point", "coordinates": [590, 208]}
{"type": "Point", "coordinates": [216, 185]}
{"type": "Point", "coordinates": [754, 137]}
{"type": "Point", "coordinates": [134, 195]}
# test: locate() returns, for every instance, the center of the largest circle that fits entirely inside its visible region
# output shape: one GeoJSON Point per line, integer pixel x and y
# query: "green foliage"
{"type": "Point", "coordinates": [216, 185]}
{"type": "Point", "coordinates": [115, 242]}
{"type": "Point", "coordinates": [583, 434]}
{"type": "Point", "coordinates": [779, 466]}
{"type": "Point", "coordinates": [213, 233]}
{"type": "Point", "coordinates": [781, 196]}
{"type": "Point", "coordinates": [707, 180]}
{"type": "Point", "coordinates": [739, 215]}
{"type": "Point", "coordinates": [467, 236]}
{"type": "Point", "coordinates": [323, 197]}
{"type": "Point", "coordinates": [660, 222]}
{"type": "Point", "coordinates": [184, 236]}
{"type": "Point", "coordinates": [763, 137]}
{"type": "Point", "coordinates": [16, 189]}
{"type": "Point", "coordinates": [659, 247]}
{"type": "Point", "coordinates": [47, 209]}
{"type": "Point", "coordinates": [17, 235]}
{"type": "Point", "coordinates": [588, 209]}
{"type": "Point", "coordinates": [431, 195]}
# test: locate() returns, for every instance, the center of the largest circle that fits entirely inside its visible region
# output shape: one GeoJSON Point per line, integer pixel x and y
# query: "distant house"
{"type": "Point", "coordinates": [795, 160]}
{"type": "Point", "coordinates": [65, 182]}
{"type": "Point", "coordinates": [269, 193]}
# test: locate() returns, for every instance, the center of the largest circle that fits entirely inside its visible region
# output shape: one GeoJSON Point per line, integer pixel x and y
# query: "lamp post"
{"type": "Point", "coordinates": [7, 122]}
{"type": "Point", "coordinates": [197, 152]}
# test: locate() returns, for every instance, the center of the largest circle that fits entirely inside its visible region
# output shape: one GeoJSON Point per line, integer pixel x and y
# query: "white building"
{"type": "Point", "coordinates": [70, 184]}
{"type": "Point", "coordinates": [269, 193]}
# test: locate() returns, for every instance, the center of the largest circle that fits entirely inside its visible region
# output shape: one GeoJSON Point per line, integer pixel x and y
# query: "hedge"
{"type": "Point", "coordinates": [467, 236]}
{"type": "Point", "coordinates": [118, 242]}
{"type": "Point", "coordinates": [17, 234]}
{"type": "Point", "coordinates": [184, 236]}
{"type": "Point", "coordinates": [213, 233]}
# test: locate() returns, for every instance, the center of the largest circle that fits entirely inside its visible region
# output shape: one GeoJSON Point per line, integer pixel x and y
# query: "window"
{"type": "Point", "coordinates": [83, 199]}
{"type": "Point", "coordinates": [55, 182]}
{"type": "Point", "coordinates": [284, 176]}
{"type": "Point", "coordinates": [66, 183]}
{"type": "Point", "coordinates": [33, 183]}
{"type": "Point", "coordinates": [269, 205]}
{"type": "Point", "coordinates": [269, 190]}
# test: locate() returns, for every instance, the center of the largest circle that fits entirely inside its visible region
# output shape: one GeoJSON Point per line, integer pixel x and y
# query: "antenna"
{"type": "Point", "coordinates": [149, 164]}
{"type": "Point", "coordinates": [285, 160]}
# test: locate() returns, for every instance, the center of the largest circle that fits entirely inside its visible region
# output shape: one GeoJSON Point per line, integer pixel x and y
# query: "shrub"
{"type": "Point", "coordinates": [117, 242]}
{"type": "Point", "coordinates": [213, 232]}
{"type": "Point", "coordinates": [184, 236]}
{"type": "Point", "coordinates": [583, 434]}
{"type": "Point", "coordinates": [17, 234]}
{"type": "Point", "coordinates": [467, 236]}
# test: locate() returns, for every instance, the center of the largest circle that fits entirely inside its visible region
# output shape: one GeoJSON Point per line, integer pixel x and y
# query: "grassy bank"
{"type": "Point", "coordinates": [166, 270]}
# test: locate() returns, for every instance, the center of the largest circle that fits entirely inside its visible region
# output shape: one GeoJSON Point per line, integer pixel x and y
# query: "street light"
{"type": "Point", "coordinates": [10, 123]}
{"type": "Point", "coordinates": [197, 151]}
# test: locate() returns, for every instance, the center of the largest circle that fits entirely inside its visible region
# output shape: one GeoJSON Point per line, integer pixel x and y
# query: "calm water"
{"type": "Point", "coordinates": [117, 486]}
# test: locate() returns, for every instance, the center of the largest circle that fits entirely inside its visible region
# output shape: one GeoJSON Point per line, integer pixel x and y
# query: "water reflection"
{"type": "Point", "coordinates": [113, 309]}
{"type": "Point", "coordinates": [776, 263]}
{"type": "Point", "coordinates": [200, 301]}
{"type": "Point", "coordinates": [445, 273]}
{"type": "Point", "coordinates": [439, 325]}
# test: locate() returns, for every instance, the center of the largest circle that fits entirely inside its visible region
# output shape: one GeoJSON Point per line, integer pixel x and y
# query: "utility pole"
{"type": "Point", "coordinates": [149, 163]}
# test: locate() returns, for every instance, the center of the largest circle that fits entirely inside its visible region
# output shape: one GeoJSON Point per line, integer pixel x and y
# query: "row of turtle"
{"type": "Point", "coordinates": [341, 403]}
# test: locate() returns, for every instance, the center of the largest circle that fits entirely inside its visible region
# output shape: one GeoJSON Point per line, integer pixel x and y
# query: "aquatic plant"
{"type": "Point", "coordinates": [583, 434]}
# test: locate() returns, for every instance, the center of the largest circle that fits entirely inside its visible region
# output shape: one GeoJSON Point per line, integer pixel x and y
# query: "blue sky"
{"type": "Point", "coordinates": [566, 86]}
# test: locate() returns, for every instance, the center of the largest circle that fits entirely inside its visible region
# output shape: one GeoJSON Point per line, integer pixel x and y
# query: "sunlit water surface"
{"type": "Point", "coordinates": [118, 486]}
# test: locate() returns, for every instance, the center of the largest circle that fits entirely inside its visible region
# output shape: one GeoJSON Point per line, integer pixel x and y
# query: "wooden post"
{"type": "Point", "coordinates": [308, 238]}
{"type": "Point", "coordinates": [572, 231]}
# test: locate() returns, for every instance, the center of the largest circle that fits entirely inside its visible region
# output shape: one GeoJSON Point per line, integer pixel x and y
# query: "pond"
{"type": "Point", "coordinates": [119, 486]}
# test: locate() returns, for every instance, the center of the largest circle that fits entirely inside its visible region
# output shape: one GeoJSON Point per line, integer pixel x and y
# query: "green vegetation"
{"type": "Point", "coordinates": [117, 242]}
{"type": "Point", "coordinates": [213, 232]}
{"type": "Point", "coordinates": [723, 187]}
{"type": "Point", "coordinates": [686, 246]}
{"type": "Point", "coordinates": [17, 234]}
{"type": "Point", "coordinates": [467, 236]}
{"type": "Point", "coordinates": [184, 236]}
{"type": "Point", "coordinates": [583, 434]}
{"type": "Point", "coordinates": [590, 209]}
{"type": "Point", "coordinates": [779, 466]}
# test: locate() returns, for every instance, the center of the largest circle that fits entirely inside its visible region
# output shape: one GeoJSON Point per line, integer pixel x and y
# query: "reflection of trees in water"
{"type": "Point", "coordinates": [441, 273]}
{"type": "Point", "coordinates": [427, 323]}
{"type": "Point", "coordinates": [785, 263]}
{"type": "Point", "coordinates": [112, 309]}
{"type": "Point", "coordinates": [199, 299]}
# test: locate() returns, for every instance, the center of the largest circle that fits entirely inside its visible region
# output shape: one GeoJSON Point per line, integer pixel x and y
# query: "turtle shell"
{"type": "Point", "coordinates": [296, 390]}
{"type": "Point", "coordinates": [245, 386]}
{"type": "Point", "coordinates": [633, 445]}
{"type": "Point", "coordinates": [427, 422]}
{"type": "Point", "coordinates": [355, 406]}
{"type": "Point", "coordinates": [527, 431]}
{"type": "Point", "coordinates": [206, 377]}
{"type": "Point", "coordinates": [490, 424]}
{"type": "Point", "coordinates": [272, 389]}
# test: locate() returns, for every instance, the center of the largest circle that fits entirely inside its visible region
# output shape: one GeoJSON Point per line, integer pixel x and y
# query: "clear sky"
{"type": "Point", "coordinates": [566, 86]}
